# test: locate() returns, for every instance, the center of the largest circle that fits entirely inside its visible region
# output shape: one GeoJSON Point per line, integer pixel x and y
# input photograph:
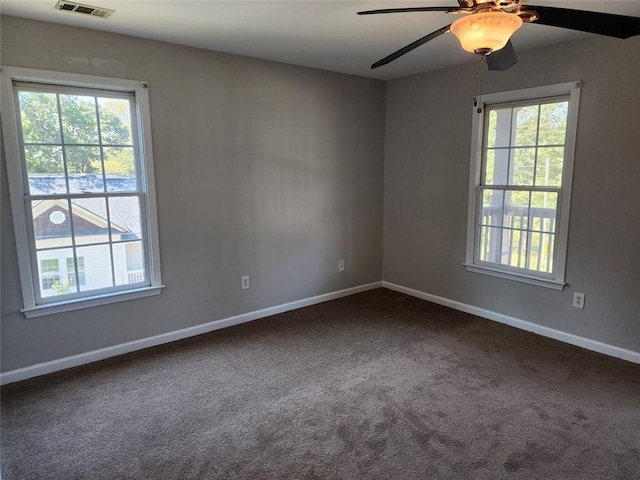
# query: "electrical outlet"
{"type": "Point", "coordinates": [578, 300]}
{"type": "Point", "coordinates": [341, 265]}
{"type": "Point", "coordinates": [245, 282]}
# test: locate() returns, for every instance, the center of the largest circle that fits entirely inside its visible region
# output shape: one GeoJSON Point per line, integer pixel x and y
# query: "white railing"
{"type": "Point", "coordinates": [135, 276]}
{"type": "Point", "coordinates": [524, 236]}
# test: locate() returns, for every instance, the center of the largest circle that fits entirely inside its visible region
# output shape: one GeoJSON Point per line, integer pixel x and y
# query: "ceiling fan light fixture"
{"type": "Point", "coordinates": [485, 32]}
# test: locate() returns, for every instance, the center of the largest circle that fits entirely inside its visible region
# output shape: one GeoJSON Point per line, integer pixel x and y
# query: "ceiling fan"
{"type": "Point", "coordinates": [486, 26]}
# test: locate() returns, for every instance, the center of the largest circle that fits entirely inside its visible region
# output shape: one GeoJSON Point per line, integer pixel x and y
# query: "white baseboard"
{"type": "Point", "coordinates": [95, 355]}
{"type": "Point", "coordinates": [570, 338]}
{"type": "Point", "coordinates": [103, 353]}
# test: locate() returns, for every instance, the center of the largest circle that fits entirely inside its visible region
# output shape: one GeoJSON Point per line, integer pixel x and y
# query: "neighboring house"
{"type": "Point", "coordinates": [93, 223]}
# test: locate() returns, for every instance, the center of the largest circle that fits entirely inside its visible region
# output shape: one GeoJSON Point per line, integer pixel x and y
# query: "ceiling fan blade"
{"type": "Point", "coordinates": [414, 9]}
{"type": "Point", "coordinates": [502, 59]}
{"type": "Point", "coordinates": [411, 46]}
{"type": "Point", "coordinates": [611, 25]}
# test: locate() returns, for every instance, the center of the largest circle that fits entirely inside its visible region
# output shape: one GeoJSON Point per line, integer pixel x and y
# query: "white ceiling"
{"type": "Point", "coordinates": [323, 34]}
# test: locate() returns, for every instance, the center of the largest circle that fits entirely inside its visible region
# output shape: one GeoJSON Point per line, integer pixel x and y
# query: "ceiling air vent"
{"type": "Point", "coordinates": [86, 9]}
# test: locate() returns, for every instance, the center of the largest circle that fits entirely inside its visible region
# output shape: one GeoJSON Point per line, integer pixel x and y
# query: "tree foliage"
{"type": "Point", "coordinates": [83, 122]}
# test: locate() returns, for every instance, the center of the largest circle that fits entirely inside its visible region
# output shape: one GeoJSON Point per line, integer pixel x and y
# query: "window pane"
{"type": "Point", "coordinates": [85, 169]}
{"type": "Point", "coordinates": [97, 265]}
{"type": "Point", "coordinates": [489, 244]}
{"type": "Point", "coordinates": [51, 223]}
{"type": "Point", "coordinates": [128, 261]}
{"type": "Point", "coordinates": [514, 248]}
{"type": "Point", "coordinates": [79, 119]}
{"type": "Point", "coordinates": [120, 169]}
{"type": "Point", "coordinates": [497, 167]}
{"type": "Point", "coordinates": [549, 166]}
{"type": "Point", "coordinates": [39, 117]}
{"type": "Point", "coordinates": [526, 126]}
{"type": "Point", "coordinates": [548, 242]}
{"type": "Point", "coordinates": [522, 166]}
{"type": "Point", "coordinates": [45, 169]}
{"type": "Point", "coordinates": [548, 200]}
{"type": "Point", "coordinates": [516, 209]}
{"type": "Point", "coordinates": [542, 247]}
{"type": "Point", "coordinates": [541, 252]}
{"type": "Point", "coordinates": [115, 121]}
{"type": "Point", "coordinates": [492, 201]}
{"type": "Point", "coordinates": [86, 183]}
{"type": "Point", "coordinates": [90, 220]}
{"type": "Point", "coordinates": [125, 218]}
{"type": "Point", "coordinates": [53, 280]}
{"type": "Point", "coordinates": [553, 123]}
{"type": "Point", "coordinates": [543, 211]}
{"type": "Point", "coordinates": [499, 128]}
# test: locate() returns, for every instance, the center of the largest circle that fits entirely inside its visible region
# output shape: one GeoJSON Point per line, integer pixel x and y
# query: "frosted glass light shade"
{"type": "Point", "coordinates": [485, 32]}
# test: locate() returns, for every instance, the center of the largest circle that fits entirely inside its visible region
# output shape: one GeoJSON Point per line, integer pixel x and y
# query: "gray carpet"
{"type": "Point", "coordinates": [374, 386]}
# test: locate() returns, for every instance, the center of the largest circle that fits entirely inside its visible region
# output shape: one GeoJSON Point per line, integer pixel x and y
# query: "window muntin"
{"type": "Point", "coordinates": [81, 177]}
{"type": "Point", "coordinates": [521, 180]}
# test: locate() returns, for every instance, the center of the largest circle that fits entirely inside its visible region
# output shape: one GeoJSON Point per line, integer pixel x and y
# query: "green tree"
{"type": "Point", "coordinates": [61, 288]}
{"type": "Point", "coordinates": [43, 113]}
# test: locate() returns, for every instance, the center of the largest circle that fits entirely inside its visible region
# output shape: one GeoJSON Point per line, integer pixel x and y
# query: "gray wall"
{"type": "Point", "coordinates": [276, 171]}
{"type": "Point", "coordinates": [428, 131]}
{"type": "Point", "coordinates": [262, 169]}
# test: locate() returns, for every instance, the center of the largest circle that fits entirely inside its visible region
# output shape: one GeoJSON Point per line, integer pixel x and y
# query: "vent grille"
{"type": "Point", "coordinates": [84, 9]}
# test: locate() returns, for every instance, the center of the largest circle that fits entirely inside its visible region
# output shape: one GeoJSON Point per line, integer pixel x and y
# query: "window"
{"type": "Point", "coordinates": [72, 272]}
{"type": "Point", "coordinates": [522, 165]}
{"type": "Point", "coordinates": [82, 188]}
{"type": "Point", "coordinates": [49, 273]}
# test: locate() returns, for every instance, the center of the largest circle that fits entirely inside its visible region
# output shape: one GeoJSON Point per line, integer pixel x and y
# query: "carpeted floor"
{"type": "Point", "coordinates": [374, 386]}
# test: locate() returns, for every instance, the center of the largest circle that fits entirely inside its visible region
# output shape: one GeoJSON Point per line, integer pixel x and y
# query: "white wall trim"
{"type": "Point", "coordinates": [115, 350]}
{"type": "Point", "coordinates": [570, 338]}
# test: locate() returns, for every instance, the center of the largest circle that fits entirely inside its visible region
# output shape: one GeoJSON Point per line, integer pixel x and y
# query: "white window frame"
{"type": "Point", "coordinates": [557, 279]}
{"type": "Point", "coordinates": [18, 187]}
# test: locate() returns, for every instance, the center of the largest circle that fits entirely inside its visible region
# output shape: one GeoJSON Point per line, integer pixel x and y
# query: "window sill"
{"type": "Point", "coordinates": [88, 302]}
{"type": "Point", "coordinates": [537, 281]}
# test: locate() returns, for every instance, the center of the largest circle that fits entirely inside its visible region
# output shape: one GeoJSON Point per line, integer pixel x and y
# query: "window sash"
{"type": "Point", "coordinates": [60, 89]}
{"type": "Point", "coordinates": [529, 230]}
{"type": "Point", "coordinates": [39, 297]}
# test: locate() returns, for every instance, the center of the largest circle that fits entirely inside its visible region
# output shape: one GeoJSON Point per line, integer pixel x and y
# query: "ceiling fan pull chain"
{"type": "Point", "coordinates": [477, 99]}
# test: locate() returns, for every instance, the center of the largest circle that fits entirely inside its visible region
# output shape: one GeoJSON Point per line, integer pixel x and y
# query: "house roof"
{"type": "Point", "coordinates": [48, 184]}
{"type": "Point", "coordinates": [124, 211]}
